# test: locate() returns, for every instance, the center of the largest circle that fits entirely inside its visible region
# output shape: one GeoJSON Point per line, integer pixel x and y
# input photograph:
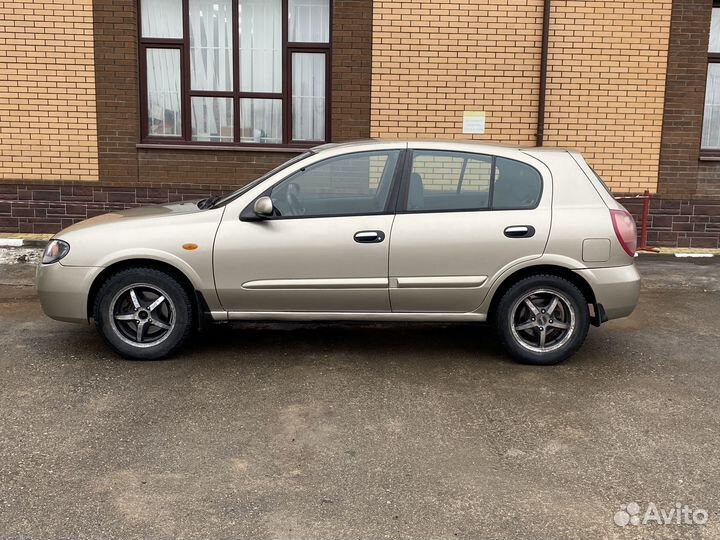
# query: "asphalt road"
{"type": "Point", "coordinates": [362, 431]}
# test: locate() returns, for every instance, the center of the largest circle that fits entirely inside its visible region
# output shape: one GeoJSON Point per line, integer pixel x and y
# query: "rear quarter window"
{"type": "Point", "coordinates": [518, 186]}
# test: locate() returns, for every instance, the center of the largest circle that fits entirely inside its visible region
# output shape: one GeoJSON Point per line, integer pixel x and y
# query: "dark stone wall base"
{"type": "Point", "coordinates": [48, 208]}
{"type": "Point", "coordinates": [679, 223]}
{"type": "Point", "coordinates": [43, 208]}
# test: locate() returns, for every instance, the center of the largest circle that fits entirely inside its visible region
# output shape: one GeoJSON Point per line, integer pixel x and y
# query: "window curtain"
{"type": "Point", "coordinates": [261, 121]}
{"type": "Point", "coordinates": [211, 45]}
{"type": "Point", "coordinates": [715, 31]}
{"type": "Point", "coordinates": [161, 18]}
{"type": "Point", "coordinates": [308, 96]}
{"type": "Point", "coordinates": [260, 71]}
{"type": "Point", "coordinates": [212, 119]}
{"type": "Point", "coordinates": [309, 21]}
{"type": "Point", "coordinates": [711, 122]}
{"type": "Point", "coordinates": [163, 92]}
{"type": "Point", "coordinates": [211, 59]}
{"type": "Point", "coordinates": [260, 46]}
{"type": "Point", "coordinates": [260, 25]}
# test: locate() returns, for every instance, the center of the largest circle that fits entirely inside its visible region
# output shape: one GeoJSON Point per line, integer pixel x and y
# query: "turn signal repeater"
{"type": "Point", "coordinates": [190, 247]}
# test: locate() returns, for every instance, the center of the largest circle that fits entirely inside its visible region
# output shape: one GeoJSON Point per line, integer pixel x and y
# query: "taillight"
{"type": "Point", "coordinates": [625, 229]}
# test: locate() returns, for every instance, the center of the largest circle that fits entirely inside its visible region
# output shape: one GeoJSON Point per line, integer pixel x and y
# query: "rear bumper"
{"type": "Point", "coordinates": [617, 289]}
{"type": "Point", "coordinates": [63, 290]}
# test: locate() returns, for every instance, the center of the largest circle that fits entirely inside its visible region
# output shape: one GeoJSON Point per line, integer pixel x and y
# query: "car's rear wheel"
{"type": "Point", "coordinates": [143, 313]}
{"type": "Point", "coordinates": [542, 320]}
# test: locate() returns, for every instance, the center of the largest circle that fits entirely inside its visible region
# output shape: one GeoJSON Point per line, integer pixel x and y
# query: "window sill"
{"type": "Point", "coordinates": [225, 148]}
{"type": "Point", "coordinates": [709, 155]}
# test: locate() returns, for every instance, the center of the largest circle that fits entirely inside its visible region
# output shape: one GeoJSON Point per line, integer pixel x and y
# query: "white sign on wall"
{"type": "Point", "coordinates": [474, 122]}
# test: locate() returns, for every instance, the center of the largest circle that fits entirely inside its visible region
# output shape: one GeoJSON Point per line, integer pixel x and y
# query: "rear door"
{"type": "Point", "coordinates": [462, 218]}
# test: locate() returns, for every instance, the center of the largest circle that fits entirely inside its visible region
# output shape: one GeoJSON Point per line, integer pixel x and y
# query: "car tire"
{"type": "Point", "coordinates": [143, 313]}
{"type": "Point", "coordinates": [542, 320]}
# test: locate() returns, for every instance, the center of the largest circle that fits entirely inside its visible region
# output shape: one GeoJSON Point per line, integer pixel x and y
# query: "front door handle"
{"type": "Point", "coordinates": [369, 237]}
{"type": "Point", "coordinates": [520, 231]}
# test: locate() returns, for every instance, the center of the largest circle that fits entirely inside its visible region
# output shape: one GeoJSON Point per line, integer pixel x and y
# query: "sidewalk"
{"type": "Point", "coordinates": [23, 239]}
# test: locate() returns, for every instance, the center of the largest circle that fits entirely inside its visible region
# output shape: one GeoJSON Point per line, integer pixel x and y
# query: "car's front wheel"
{"type": "Point", "coordinates": [143, 313]}
{"type": "Point", "coordinates": [542, 320]}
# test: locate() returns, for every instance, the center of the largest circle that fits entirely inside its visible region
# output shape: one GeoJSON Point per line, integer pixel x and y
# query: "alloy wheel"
{"type": "Point", "coordinates": [142, 315]}
{"type": "Point", "coordinates": [543, 320]}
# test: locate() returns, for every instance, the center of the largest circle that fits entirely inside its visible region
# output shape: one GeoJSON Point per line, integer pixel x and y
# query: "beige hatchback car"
{"type": "Point", "coordinates": [527, 239]}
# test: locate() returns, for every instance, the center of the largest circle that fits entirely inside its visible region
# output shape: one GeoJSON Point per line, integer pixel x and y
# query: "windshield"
{"type": "Point", "coordinates": [264, 177]}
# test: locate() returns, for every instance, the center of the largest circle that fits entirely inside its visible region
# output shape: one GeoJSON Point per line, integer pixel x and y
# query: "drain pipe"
{"type": "Point", "coordinates": [543, 73]}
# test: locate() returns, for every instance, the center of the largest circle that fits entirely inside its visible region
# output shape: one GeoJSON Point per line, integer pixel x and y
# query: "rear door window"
{"type": "Point", "coordinates": [518, 186]}
{"type": "Point", "coordinates": [449, 181]}
{"type": "Point", "coordinates": [442, 181]}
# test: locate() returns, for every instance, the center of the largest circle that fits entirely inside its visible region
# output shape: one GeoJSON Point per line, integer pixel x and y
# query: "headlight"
{"type": "Point", "coordinates": [54, 251]}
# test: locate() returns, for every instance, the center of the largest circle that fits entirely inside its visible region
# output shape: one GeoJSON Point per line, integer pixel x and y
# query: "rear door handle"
{"type": "Point", "coordinates": [520, 231]}
{"type": "Point", "coordinates": [369, 237]}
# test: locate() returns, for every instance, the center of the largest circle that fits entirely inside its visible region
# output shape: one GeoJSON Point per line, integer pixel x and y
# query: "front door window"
{"type": "Point", "coordinates": [349, 185]}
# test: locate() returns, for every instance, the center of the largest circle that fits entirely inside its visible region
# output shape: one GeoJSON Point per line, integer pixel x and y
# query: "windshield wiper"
{"type": "Point", "coordinates": [208, 203]}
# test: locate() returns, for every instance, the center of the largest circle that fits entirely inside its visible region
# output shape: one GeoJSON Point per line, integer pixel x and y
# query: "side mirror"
{"type": "Point", "coordinates": [263, 207]}
{"type": "Point", "coordinates": [260, 210]}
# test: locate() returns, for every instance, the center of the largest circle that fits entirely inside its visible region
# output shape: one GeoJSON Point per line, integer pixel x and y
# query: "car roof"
{"type": "Point", "coordinates": [433, 144]}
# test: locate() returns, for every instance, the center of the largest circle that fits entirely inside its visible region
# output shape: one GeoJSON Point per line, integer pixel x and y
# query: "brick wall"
{"type": "Point", "coordinates": [682, 174]}
{"type": "Point", "coordinates": [433, 60]}
{"type": "Point", "coordinates": [39, 200]}
{"type": "Point", "coordinates": [69, 100]}
{"type": "Point", "coordinates": [606, 79]}
{"type": "Point", "coordinates": [48, 97]}
{"type": "Point", "coordinates": [116, 69]}
{"type": "Point", "coordinates": [607, 59]}
{"type": "Point", "coordinates": [47, 91]}
{"type": "Point", "coordinates": [352, 69]}
{"type": "Point", "coordinates": [121, 162]}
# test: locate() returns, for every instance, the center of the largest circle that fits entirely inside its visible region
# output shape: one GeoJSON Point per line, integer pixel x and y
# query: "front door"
{"type": "Point", "coordinates": [325, 250]}
{"type": "Point", "coordinates": [462, 218]}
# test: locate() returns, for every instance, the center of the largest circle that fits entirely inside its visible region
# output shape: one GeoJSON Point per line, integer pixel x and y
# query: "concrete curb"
{"type": "Point", "coordinates": [679, 254]}
{"type": "Point", "coordinates": [22, 242]}
{"type": "Point", "coordinates": [694, 255]}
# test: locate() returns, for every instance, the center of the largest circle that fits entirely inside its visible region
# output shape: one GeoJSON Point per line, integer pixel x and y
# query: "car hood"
{"type": "Point", "coordinates": [133, 214]}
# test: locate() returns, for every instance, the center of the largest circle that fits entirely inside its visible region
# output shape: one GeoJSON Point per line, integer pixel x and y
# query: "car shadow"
{"type": "Point", "coordinates": [294, 344]}
{"type": "Point", "coordinates": [348, 341]}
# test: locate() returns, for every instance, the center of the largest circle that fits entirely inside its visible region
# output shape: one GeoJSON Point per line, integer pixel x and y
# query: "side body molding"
{"type": "Point", "coordinates": [287, 284]}
{"type": "Point", "coordinates": [452, 282]}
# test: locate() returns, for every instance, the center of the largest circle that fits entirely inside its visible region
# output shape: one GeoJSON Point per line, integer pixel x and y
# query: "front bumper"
{"type": "Point", "coordinates": [617, 289]}
{"type": "Point", "coordinates": [63, 290]}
